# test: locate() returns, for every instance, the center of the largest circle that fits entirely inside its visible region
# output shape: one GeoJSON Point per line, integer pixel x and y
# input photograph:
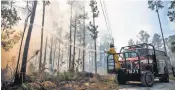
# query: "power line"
{"type": "Point", "coordinates": [108, 20]}
{"type": "Point", "coordinates": [107, 16]}
{"type": "Point", "coordinates": [105, 19]}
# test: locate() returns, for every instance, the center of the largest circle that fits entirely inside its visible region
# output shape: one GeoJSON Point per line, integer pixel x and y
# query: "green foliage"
{"type": "Point", "coordinates": [9, 38]}
{"type": "Point", "coordinates": [94, 8]}
{"type": "Point", "coordinates": [9, 16]}
{"type": "Point", "coordinates": [155, 4]}
{"type": "Point", "coordinates": [171, 77]}
{"type": "Point", "coordinates": [171, 11]}
{"type": "Point", "coordinates": [66, 76]}
{"type": "Point", "coordinates": [25, 86]}
{"type": "Point", "coordinates": [143, 36]}
{"type": "Point", "coordinates": [173, 47]}
{"type": "Point", "coordinates": [131, 42]}
{"type": "Point", "coordinates": [156, 41]}
{"type": "Point", "coordinates": [95, 12]}
{"type": "Point", "coordinates": [170, 43]}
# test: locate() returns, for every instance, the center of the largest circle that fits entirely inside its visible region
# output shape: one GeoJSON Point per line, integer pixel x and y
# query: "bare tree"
{"type": "Point", "coordinates": [45, 53]}
{"type": "Point", "coordinates": [84, 43]}
{"type": "Point", "coordinates": [41, 45]}
{"type": "Point", "coordinates": [70, 48]}
{"type": "Point", "coordinates": [75, 31]}
{"type": "Point", "coordinates": [51, 58]}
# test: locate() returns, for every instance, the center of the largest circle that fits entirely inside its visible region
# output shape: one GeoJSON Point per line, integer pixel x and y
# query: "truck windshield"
{"type": "Point", "coordinates": [141, 52]}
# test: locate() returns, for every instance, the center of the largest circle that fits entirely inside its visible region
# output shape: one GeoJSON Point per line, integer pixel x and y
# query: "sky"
{"type": "Point", "coordinates": [127, 18]}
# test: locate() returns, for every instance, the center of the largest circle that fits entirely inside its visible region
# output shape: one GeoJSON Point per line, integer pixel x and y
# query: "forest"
{"type": "Point", "coordinates": [56, 45]}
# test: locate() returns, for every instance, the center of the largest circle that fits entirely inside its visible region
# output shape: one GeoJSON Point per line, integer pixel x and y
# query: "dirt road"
{"type": "Point", "coordinates": [157, 86]}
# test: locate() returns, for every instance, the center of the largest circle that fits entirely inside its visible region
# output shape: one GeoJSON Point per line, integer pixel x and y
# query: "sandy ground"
{"type": "Point", "coordinates": [157, 86]}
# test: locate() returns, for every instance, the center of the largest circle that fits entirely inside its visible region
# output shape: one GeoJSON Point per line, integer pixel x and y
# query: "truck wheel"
{"type": "Point", "coordinates": [121, 77]}
{"type": "Point", "coordinates": [147, 79]}
{"type": "Point", "coordinates": [165, 76]}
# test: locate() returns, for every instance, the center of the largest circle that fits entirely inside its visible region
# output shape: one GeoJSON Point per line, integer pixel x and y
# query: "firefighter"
{"type": "Point", "coordinates": [116, 57]}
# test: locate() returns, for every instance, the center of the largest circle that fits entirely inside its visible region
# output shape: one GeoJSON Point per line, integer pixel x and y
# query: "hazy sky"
{"type": "Point", "coordinates": [127, 18]}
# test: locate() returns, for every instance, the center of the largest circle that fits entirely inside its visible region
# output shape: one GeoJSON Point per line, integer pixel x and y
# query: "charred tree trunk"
{"type": "Point", "coordinates": [41, 45]}
{"type": "Point", "coordinates": [50, 61]}
{"type": "Point", "coordinates": [53, 64]}
{"type": "Point", "coordinates": [73, 61]}
{"type": "Point", "coordinates": [70, 48]}
{"type": "Point", "coordinates": [83, 40]}
{"type": "Point", "coordinates": [45, 52]}
{"type": "Point", "coordinates": [78, 62]}
{"type": "Point", "coordinates": [19, 53]}
{"type": "Point", "coordinates": [58, 57]}
{"type": "Point", "coordinates": [89, 63]}
{"type": "Point", "coordinates": [95, 63]}
{"type": "Point", "coordinates": [26, 47]}
{"type": "Point", "coordinates": [79, 52]}
{"type": "Point", "coordinates": [95, 57]}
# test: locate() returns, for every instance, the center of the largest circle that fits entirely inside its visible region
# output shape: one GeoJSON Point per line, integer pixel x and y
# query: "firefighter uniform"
{"type": "Point", "coordinates": [115, 56]}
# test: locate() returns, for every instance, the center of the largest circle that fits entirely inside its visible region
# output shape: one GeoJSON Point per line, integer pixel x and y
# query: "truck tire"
{"type": "Point", "coordinates": [147, 79]}
{"type": "Point", "coordinates": [121, 77]}
{"type": "Point", "coordinates": [165, 76]}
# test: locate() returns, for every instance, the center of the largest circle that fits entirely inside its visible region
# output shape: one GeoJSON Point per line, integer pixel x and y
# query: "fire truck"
{"type": "Point", "coordinates": [142, 63]}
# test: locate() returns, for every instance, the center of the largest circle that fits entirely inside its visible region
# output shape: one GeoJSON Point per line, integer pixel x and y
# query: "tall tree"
{"type": "Point", "coordinates": [173, 47]}
{"type": "Point", "coordinates": [156, 41]}
{"type": "Point", "coordinates": [26, 47]}
{"type": "Point", "coordinates": [84, 32]}
{"type": "Point", "coordinates": [54, 52]}
{"type": "Point", "coordinates": [59, 47]}
{"type": "Point", "coordinates": [79, 38]}
{"type": "Point", "coordinates": [45, 53]}
{"type": "Point", "coordinates": [70, 37]}
{"type": "Point", "coordinates": [131, 42]}
{"type": "Point", "coordinates": [143, 36]}
{"type": "Point", "coordinates": [25, 27]}
{"type": "Point", "coordinates": [51, 58]}
{"type": "Point", "coordinates": [41, 45]}
{"type": "Point", "coordinates": [156, 5]}
{"type": "Point", "coordinates": [93, 27]}
{"type": "Point", "coordinates": [171, 11]}
{"type": "Point", "coordinates": [75, 31]}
